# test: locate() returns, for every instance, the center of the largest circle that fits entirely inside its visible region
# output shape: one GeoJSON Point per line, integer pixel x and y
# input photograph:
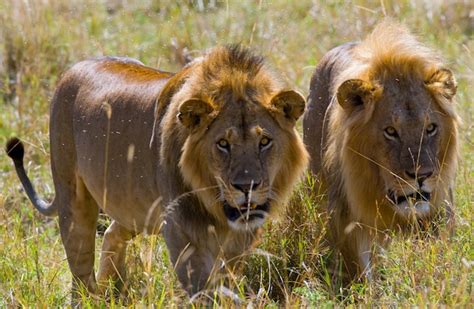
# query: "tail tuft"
{"type": "Point", "coordinates": [15, 150]}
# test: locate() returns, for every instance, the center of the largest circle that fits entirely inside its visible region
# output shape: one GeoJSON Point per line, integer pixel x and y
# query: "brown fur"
{"type": "Point", "coordinates": [142, 145]}
{"type": "Point", "coordinates": [357, 92]}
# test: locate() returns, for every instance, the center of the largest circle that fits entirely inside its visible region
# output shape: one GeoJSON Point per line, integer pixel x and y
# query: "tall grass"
{"type": "Point", "coordinates": [40, 39]}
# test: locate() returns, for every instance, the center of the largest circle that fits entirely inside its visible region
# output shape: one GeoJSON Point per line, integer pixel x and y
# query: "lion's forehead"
{"type": "Point", "coordinates": [253, 131]}
{"type": "Point", "coordinates": [245, 123]}
{"type": "Point", "coordinates": [407, 109]}
{"type": "Point", "coordinates": [410, 114]}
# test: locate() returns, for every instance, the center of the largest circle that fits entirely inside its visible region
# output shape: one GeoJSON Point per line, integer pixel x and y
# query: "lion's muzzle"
{"type": "Point", "coordinates": [416, 203]}
{"type": "Point", "coordinates": [247, 214]}
{"type": "Point", "coordinates": [413, 197]}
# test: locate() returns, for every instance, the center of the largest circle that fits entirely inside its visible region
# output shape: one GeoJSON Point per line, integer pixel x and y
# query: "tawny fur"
{"type": "Point", "coordinates": [141, 145]}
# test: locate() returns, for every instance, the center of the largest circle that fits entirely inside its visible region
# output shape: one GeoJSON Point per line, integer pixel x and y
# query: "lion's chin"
{"type": "Point", "coordinates": [247, 217]}
{"type": "Point", "coordinates": [416, 204]}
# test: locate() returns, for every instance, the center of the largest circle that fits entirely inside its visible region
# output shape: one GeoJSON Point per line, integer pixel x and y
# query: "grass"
{"type": "Point", "coordinates": [40, 39]}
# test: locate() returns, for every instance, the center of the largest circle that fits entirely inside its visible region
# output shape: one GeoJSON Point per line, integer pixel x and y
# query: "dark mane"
{"type": "Point", "coordinates": [233, 57]}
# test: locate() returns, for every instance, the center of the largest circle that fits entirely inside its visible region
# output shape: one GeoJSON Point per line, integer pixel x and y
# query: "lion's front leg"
{"type": "Point", "coordinates": [193, 264]}
{"type": "Point", "coordinates": [354, 241]}
{"type": "Point", "coordinates": [194, 267]}
{"type": "Point", "coordinates": [355, 246]}
{"type": "Point", "coordinates": [205, 276]}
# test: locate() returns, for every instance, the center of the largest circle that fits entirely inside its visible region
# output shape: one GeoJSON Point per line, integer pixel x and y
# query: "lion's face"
{"type": "Point", "coordinates": [409, 141]}
{"type": "Point", "coordinates": [244, 160]}
{"type": "Point", "coordinates": [407, 138]}
{"type": "Point", "coordinates": [239, 152]}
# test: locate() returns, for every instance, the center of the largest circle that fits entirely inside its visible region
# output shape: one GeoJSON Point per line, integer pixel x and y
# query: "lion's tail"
{"type": "Point", "coordinates": [16, 151]}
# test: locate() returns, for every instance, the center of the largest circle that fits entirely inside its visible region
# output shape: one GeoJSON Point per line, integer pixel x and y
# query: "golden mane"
{"type": "Point", "coordinates": [390, 50]}
{"type": "Point", "coordinates": [370, 104]}
{"type": "Point", "coordinates": [230, 69]}
{"type": "Point", "coordinates": [226, 74]}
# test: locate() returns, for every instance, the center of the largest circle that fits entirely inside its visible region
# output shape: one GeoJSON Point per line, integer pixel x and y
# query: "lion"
{"type": "Point", "coordinates": [205, 156]}
{"type": "Point", "coordinates": [382, 132]}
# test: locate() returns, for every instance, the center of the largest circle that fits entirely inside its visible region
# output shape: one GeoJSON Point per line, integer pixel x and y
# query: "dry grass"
{"type": "Point", "coordinates": [40, 39]}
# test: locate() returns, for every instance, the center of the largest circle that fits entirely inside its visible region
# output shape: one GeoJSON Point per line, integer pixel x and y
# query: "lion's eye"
{"type": "Point", "coordinates": [223, 145]}
{"type": "Point", "coordinates": [390, 133]}
{"type": "Point", "coordinates": [431, 129]}
{"type": "Point", "coordinates": [265, 143]}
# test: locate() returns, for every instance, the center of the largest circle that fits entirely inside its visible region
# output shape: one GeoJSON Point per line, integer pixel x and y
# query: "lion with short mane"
{"type": "Point", "coordinates": [381, 128]}
{"type": "Point", "coordinates": [205, 156]}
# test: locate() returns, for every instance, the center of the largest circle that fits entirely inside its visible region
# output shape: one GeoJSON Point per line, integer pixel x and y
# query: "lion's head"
{"type": "Point", "coordinates": [395, 128]}
{"type": "Point", "coordinates": [242, 154]}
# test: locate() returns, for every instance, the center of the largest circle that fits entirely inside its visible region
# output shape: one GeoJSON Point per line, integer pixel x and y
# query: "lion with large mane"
{"type": "Point", "coordinates": [381, 129]}
{"type": "Point", "coordinates": [205, 156]}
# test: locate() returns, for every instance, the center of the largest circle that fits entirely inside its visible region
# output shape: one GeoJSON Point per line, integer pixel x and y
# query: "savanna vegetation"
{"type": "Point", "coordinates": [39, 39]}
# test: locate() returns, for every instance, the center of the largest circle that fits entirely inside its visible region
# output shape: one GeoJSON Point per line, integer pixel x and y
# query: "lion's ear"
{"type": "Point", "coordinates": [443, 82]}
{"type": "Point", "coordinates": [192, 112]}
{"type": "Point", "coordinates": [354, 93]}
{"type": "Point", "coordinates": [290, 104]}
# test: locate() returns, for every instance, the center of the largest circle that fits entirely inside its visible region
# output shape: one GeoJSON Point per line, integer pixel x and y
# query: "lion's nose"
{"type": "Point", "coordinates": [421, 176]}
{"type": "Point", "coordinates": [246, 187]}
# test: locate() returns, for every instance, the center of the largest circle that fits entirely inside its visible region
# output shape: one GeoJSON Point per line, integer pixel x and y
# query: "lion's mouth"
{"type": "Point", "coordinates": [414, 197]}
{"type": "Point", "coordinates": [406, 205]}
{"type": "Point", "coordinates": [248, 211]}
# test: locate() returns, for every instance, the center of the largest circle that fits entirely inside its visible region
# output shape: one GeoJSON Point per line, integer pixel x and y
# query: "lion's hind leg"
{"type": "Point", "coordinates": [112, 258]}
{"type": "Point", "coordinates": [77, 220]}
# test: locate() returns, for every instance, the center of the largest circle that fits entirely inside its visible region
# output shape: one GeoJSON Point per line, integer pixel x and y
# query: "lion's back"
{"type": "Point", "coordinates": [102, 109]}
{"type": "Point", "coordinates": [315, 121]}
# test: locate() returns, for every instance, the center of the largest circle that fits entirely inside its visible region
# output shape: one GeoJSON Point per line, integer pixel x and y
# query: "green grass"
{"type": "Point", "coordinates": [40, 39]}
